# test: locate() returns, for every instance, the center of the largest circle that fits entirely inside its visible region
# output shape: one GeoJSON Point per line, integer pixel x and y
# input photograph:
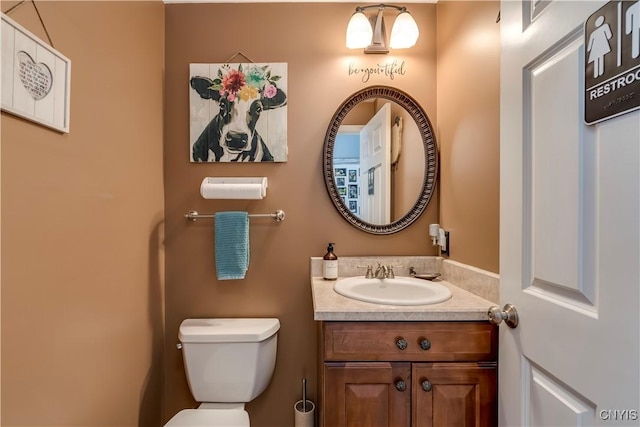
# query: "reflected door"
{"type": "Point", "coordinates": [569, 231]}
{"type": "Point", "coordinates": [375, 168]}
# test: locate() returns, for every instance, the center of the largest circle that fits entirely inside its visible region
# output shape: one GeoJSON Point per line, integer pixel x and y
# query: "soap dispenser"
{"type": "Point", "coordinates": [330, 264]}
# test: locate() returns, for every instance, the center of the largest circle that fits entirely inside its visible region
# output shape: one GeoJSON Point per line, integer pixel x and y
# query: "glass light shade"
{"type": "Point", "coordinates": [405, 32]}
{"type": "Point", "coordinates": [359, 31]}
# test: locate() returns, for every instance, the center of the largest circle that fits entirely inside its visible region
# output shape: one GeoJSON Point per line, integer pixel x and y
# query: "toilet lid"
{"type": "Point", "coordinates": [227, 330]}
{"type": "Point", "coordinates": [210, 418]}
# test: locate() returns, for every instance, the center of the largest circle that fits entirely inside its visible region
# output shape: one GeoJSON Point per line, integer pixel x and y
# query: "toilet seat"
{"type": "Point", "coordinates": [210, 418]}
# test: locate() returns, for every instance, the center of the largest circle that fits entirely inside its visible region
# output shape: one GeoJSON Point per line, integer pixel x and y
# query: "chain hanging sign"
{"type": "Point", "coordinates": [36, 78]}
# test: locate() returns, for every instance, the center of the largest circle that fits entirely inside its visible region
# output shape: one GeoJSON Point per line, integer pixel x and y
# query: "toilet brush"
{"type": "Point", "coordinates": [304, 395]}
{"type": "Point", "coordinates": [304, 410]}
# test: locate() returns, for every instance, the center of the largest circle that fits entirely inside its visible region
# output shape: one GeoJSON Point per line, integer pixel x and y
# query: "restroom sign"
{"type": "Point", "coordinates": [612, 61]}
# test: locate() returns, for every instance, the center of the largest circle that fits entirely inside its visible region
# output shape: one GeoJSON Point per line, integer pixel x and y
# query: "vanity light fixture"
{"type": "Point", "coordinates": [370, 33]}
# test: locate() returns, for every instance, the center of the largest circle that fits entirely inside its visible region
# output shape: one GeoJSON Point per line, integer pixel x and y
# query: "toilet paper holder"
{"type": "Point", "coordinates": [243, 188]}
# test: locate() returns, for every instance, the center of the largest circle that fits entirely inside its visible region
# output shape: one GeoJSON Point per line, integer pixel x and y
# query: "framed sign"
{"type": "Point", "coordinates": [612, 61]}
{"type": "Point", "coordinates": [36, 78]}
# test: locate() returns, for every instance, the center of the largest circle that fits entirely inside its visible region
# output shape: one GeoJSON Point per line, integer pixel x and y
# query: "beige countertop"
{"type": "Point", "coordinates": [328, 305]}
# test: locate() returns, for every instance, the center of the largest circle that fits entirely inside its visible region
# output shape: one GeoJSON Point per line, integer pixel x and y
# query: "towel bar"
{"type": "Point", "coordinates": [277, 215]}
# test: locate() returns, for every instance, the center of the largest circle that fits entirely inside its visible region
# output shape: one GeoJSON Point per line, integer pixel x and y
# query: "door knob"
{"type": "Point", "coordinates": [508, 313]}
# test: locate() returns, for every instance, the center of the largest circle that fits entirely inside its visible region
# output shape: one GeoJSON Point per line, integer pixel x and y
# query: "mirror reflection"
{"type": "Point", "coordinates": [380, 160]}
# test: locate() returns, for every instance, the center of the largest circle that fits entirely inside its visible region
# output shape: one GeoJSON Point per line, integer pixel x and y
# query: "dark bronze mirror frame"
{"type": "Point", "coordinates": [430, 157]}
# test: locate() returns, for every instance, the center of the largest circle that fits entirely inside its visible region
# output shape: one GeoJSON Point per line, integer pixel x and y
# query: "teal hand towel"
{"type": "Point", "coordinates": [232, 244]}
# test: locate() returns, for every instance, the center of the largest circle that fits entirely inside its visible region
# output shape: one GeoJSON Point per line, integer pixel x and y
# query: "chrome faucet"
{"type": "Point", "coordinates": [381, 272]}
{"type": "Point", "coordinates": [384, 272]}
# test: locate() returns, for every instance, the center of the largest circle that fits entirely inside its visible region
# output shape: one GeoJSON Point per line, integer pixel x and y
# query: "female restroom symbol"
{"type": "Point", "coordinates": [599, 46]}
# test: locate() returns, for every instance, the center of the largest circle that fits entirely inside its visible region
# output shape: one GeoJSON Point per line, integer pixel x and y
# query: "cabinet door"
{"type": "Point", "coordinates": [454, 394]}
{"type": "Point", "coordinates": [375, 394]}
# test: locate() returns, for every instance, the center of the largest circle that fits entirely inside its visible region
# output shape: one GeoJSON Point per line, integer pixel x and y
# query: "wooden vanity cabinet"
{"type": "Point", "coordinates": [365, 394]}
{"type": "Point", "coordinates": [403, 374]}
{"type": "Point", "coordinates": [454, 394]}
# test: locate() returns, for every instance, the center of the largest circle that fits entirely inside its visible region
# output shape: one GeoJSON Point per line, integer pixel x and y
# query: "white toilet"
{"type": "Point", "coordinates": [228, 362]}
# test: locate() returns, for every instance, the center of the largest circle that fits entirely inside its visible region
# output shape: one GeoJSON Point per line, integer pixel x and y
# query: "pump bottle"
{"type": "Point", "coordinates": [330, 264]}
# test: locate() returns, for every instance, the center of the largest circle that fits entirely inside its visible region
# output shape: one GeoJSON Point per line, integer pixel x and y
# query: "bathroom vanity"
{"type": "Point", "coordinates": [419, 365]}
{"type": "Point", "coordinates": [408, 373]}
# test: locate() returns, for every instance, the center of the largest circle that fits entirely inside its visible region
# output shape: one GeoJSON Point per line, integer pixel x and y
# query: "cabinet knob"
{"type": "Point", "coordinates": [401, 385]}
{"type": "Point", "coordinates": [425, 344]}
{"type": "Point", "coordinates": [401, 343]}
{"type": "Point", "coordinates": [426, 385]}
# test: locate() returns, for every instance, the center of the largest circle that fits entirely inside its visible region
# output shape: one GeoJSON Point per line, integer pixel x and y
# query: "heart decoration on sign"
{"type": "Point", "coordinates": [36, 78]}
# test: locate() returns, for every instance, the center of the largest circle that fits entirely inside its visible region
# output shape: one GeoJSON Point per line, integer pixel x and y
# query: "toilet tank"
{"type": "Point", "coordinates": [228, 360]}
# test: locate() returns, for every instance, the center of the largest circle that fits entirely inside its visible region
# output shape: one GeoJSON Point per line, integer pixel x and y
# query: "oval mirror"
{"type": "Point", "coordinates": [380, 160]}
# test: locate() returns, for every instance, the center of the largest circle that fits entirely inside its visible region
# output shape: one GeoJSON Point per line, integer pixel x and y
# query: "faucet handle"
{"type": "Point", "coordinates": [390, 274]}
{"type": "Point", "coordinates": [369, 273]}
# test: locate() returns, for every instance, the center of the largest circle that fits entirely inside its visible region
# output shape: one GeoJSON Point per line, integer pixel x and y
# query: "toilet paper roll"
{"type": "Point", "coordinates": [228, 188]}
{"type": "Point", "coordinates": [304, 417]}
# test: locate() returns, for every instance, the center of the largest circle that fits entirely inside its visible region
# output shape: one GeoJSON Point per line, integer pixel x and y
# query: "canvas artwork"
{"type": "Point", "coordinates": [238, 112]}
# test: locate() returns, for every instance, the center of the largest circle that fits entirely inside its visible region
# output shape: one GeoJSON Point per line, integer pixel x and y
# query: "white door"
{"type": "Point", "coordinates": [375, 168]}
{"type": "Point", "coordinates": [569, 231]}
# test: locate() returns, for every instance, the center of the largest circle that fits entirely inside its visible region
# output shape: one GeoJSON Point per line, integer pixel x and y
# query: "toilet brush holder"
{"type": "Point", "coordinates": [304, 413]}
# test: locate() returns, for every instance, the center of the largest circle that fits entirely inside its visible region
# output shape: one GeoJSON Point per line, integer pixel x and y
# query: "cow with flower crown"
{"type": "Point", "coordinates": [242, 95]}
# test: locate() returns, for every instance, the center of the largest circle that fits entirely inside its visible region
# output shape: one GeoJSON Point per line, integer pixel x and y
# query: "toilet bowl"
{"type": "Point", "coordinates": [228, 362]}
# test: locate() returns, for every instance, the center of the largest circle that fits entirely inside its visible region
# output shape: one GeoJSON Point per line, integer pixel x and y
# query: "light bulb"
{"type": "Point", "coordinates": [405, 31]}
{"type": "Point", "coordinates": [359, 31]}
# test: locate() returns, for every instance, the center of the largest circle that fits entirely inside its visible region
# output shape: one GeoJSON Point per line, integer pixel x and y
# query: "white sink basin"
{"type": "Point", "coordinates": [398, 291]}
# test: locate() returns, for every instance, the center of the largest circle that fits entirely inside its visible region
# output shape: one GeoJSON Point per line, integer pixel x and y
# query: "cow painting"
{"type": "Point", "coordinates": [240, 96]}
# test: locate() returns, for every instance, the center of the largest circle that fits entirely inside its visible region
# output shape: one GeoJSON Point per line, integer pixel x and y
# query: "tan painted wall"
{"type": "Point", "coordinates": [310, 38]}
{"type": "Point", "coordinates": [468, 129]}
{"type": "Point", "coordinates": [82, 221]}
